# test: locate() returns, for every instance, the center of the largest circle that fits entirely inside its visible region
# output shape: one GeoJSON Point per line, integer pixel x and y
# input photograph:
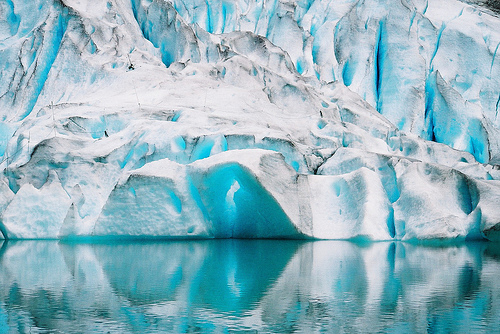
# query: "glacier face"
{"type": "Point", "coordinates": [291, 119]}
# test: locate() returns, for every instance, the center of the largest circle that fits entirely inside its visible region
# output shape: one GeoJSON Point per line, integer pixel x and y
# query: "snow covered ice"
{"type": "Point", "coordinates": [293, 119]}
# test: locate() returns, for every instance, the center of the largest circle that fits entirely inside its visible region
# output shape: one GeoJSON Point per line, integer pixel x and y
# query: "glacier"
{"type": "Point", "coordinates": [339, 119]}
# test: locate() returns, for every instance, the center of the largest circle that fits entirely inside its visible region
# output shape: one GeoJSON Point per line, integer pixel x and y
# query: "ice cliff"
{"type": "Point", "coordinates": [330, 119]}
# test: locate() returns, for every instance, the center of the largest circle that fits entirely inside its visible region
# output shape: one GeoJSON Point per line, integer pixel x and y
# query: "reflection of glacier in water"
{"type": "Point", "coordinates": [269, 286]}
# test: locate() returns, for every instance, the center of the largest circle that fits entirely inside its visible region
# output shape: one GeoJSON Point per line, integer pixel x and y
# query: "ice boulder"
{"type": "Point", "coordinates": [155, 200]}
{"type": "Point", "coordinates": [349, 206]}
{"type": "Point", "coordinates": [488, 209]}
{"type": "Point", "coordinates": [36, 213]}
{"type": "Point", "coordinates": [435, 203]}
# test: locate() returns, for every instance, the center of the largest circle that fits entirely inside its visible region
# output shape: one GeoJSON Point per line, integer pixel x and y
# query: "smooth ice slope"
{"type": "Point", "coordinates": [277, 119]}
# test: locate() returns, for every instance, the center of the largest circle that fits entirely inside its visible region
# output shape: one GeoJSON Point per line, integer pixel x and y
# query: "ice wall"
{"type": "Point", "coordinates": [276, 119]}
{"type": "Point", "coordinates": [389, 53]}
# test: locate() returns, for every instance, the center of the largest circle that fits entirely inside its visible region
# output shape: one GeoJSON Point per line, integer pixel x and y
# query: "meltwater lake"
{"type": "Point", "coordinates": [259, 286]}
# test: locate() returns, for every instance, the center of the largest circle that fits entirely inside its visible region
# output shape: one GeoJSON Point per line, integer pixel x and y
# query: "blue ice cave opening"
{"type": "Point", "coordinates": [240, 207]}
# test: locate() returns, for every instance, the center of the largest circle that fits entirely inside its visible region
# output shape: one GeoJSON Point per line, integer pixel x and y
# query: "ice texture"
{"type": "Point", "coordinates": [249, 119]}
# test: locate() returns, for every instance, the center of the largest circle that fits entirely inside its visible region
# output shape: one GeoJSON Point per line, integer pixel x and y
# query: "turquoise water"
{"type": "Point", "coordinates": [223, 286]}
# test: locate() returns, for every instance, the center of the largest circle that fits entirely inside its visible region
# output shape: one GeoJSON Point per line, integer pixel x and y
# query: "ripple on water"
{"type": "Point", "coordinates": [216, 286]}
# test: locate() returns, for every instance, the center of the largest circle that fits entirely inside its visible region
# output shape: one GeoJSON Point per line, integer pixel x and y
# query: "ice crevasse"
{"type": "Point", "coordinates": [249, 119]}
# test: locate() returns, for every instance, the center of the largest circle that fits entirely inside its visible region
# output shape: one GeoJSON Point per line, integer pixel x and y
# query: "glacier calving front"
{"type": "Point", "coordinates": [324, 119]}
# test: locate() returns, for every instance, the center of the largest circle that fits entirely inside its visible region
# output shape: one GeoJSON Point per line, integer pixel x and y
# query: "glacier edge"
{"type": "Point", "coordinates": [279, 120]}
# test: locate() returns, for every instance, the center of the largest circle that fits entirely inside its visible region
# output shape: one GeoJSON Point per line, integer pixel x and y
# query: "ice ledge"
{"type": "Point", "coordinates": [254, 193]}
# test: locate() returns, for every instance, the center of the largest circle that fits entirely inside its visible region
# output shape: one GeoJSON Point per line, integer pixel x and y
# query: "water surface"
{"type": "Point", "coordinates": [222, 286]}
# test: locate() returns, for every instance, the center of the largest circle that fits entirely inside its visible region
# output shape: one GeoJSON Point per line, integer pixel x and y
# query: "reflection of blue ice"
{"type": "Point", "coordinates": [270, 286]}
{"type": "Point", "coordinates": [4, 326]}
{"type": "Point", "coordinates": [225, 275]}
